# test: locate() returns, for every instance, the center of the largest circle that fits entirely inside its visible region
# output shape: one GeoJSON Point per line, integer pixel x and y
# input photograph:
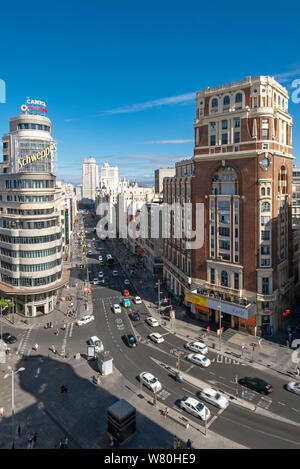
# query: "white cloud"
{"type": "Point", "coordinates": [286, 76]}
{"type": "Point", "coordinates": [179, 99]}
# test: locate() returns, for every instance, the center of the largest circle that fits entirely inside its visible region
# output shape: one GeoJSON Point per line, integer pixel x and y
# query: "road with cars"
{"type": "Point", "coordinates": [252, 429]}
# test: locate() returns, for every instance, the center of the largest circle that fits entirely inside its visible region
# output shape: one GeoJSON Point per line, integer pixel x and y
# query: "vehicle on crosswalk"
{"type": "Point", "coordinates": [214, 397]}
{"type": "Point", "coordinates": [85, 320]}
{"type": "Point", "coordinates": [198, 359]}
{"type": "Point", "coordinates": [117, 309]}
{"type": "Point", "coordinates": [194, 407]}
{"type": "Point", "coordinates": [150, 381]}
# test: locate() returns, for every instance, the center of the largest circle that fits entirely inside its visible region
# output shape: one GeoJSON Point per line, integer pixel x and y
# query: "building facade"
{"type": "Point", "coordinates": [30, 217]}
{"type": "Point", "coordinates": [241, 173]}
{"type": "Point", "coordinates": [296, 193]}
{"type": "Point", "coordinates": [109, 177]}
{"type": "Point", "coordinates": [159, 175]}
{"type": "Point", "coordinates": [90, 181]}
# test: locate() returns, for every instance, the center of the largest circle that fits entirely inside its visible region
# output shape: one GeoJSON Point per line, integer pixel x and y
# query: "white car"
{"type": "Point", "coordinates": [214, 397]}
{"type": "Point", "coordinates": [126, 281]}
{"type": "Point", "coordinates": [194, 407]}
{"type": "Point", "coordinates": [100, 275]}
{"type": "Point", "coordinates": [294, 387]}
{"type": "Point", "coordinates": [100, 258]}
{"type": "Point", "coordinates": [150, 381]}
{"type": "Point", "coordinates": [90, 252]}
{"type": "Point", "coordinates": [85, 320]}
{"type": "Point", "coordinates": [198, 359]}
{"type": "Point", "coordinates": [117, 309]}
{"type": "Point", "coordinates": [115, 273]}
{"type": "Point", "coordinates": [97, 343]}
{"type": "Point", "coordinates": [137, 300]}
{"type": "Point", "coordinates": [95, 281]}
{"type": "Point", "coordinates": [199, 347]}
{"type": "Point", "coordinates": [152, 322]}
{"type": "Point", "coordinates": [157, 338]}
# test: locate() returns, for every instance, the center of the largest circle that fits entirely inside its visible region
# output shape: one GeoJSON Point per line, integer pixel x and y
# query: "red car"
{"type": "Point", "coordinates": [125, 293]}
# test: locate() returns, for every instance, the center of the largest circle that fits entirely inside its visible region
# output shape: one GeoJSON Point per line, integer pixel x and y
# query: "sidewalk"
{"type": "Point", "coordinates": [269, 354]}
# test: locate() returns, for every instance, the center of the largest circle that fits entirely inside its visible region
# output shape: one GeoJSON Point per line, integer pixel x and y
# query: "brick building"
{"type": "Point", "coordinates": [242, 174]}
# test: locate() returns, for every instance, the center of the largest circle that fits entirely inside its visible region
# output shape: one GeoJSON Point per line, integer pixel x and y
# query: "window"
{"type": "Point", "coordinates": [214, 103]}
{"type": "Point", "coordinates": [224, 231]}
{"type": "Point", "coordinates": [264, 221]}
{"type": "Point", "coordinates": [265, 146]}
{"type": "Point", "coordinates": [237, 123]}
{"type": "Point", "coordinates": [265, 235]}
{"type": "Point", "coordinates": [265, 250]}
{"type": "Point", "coordinates": [212, 126]}
{"type": "Point", "coordinates": [33, 126]}
{"type": "Point", "coordinates": [223, 205]}
{"type": "Point", "coordinates": [265, 286]}
{"type": "Point", "coordinates": [5, 170]}
{"type": "Point", "coordinates": [265, 207]}
{"type": "Point", "coordinates": [236, 137]}
{"type": "Point", "coordinates": [5, 144]}
{"type": "Point", "coordinates": [224, 278]}
{"type": "Point", "coordinates": [212, 275]}
{"type": "Point", "coordinates": [224, 139]}
{"type": "Point", "coordinates": [255, 101]}
{"type": "Point", "coordinates": [238, 98]}
{"type": "Point", "coordinates": [224, 125]}
{"type": "Point", "coordinates": [265, 262]}
{"type": "Point", "coordinates": [223, 244]}
{"type": "Point", "coordinates": [268, 191]}
{"type": "Point", "coordinates": [236, 148]}
{"type": "Point", "coordinates": [263, 191]}
{"type": "Point", "coordinates": [226, 101]}
{"type": "Point", "coordinates": [212, 139]}
{"type": "Point", "coordinates": [265, 134]}
{"type": "Point", "coordinates": [236, 281]}
{"type": "Point", "coordinates": [5, 157]}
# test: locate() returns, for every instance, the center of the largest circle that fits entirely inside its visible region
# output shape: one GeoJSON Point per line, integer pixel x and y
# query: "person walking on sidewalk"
{"type": "Point", "coordinates": [178, 444]}
{"type": "Point", "coordinates": [19, 430]}
{"type": "Point", "coordinates": [35, 438]}
{"type": "Point", "coordinates": [175, 442]}
{"type": "Point", "coordinates": [189, 444]}
{"type": "Point", "coordinates": [30, 441]}
{"type": "Point", "coordinates": [66, 442]}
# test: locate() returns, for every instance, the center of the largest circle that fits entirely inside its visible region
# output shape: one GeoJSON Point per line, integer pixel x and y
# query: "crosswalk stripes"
{"type": "Point", "coordinates": [23, 346]}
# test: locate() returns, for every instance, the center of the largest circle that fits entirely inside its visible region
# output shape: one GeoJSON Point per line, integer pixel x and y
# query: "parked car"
{"type": "Point", "coordinates": [137, 300]}
{"type": "Point", "coordinates": [101, 275]}
{"type": "Point", "coordinates": [130, 340]}
{"type": "Point", "coordinates": [97, 343]}
{"type": "Point", "coordinates": [257, 384]}
{"type": "Point", "coordinates": [194, 407]}
{"type": "Point", "coordinates": [214, 397]}
{"type": "Point", "coordinates": [150, 381]}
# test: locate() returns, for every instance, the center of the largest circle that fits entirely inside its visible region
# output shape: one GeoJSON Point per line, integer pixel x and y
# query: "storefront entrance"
{"type": "Point", "coordinates": [40, 309]}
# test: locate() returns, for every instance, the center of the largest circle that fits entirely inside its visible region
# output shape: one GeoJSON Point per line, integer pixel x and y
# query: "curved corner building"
{"type": "Point", "coordinates": [31, 272]}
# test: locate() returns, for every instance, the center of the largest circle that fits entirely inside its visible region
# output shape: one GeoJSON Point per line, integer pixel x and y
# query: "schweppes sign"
{"type": "Point", "coordinates": [41, 155]}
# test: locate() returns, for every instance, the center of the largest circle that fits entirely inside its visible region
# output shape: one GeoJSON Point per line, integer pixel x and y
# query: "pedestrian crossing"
{"type": "Point", "coordinates": [23, 346]}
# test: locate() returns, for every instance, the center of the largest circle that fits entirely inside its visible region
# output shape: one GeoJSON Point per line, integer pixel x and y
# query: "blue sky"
{"type": "Point", "coordinates": [119, 77]}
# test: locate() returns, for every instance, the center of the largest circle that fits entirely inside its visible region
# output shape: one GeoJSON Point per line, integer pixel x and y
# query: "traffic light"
{"type": "Point", "coordinates": [287, 312]}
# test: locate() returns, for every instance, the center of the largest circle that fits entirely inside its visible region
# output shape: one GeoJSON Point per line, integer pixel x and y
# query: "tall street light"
{"type": "Point", "coordinates": [12, 374]}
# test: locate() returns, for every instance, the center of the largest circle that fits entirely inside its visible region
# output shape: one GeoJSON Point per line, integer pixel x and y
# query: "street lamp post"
{"type": "Point", "coordinates": [12, 373]}
{"type": "Point", "coordinates": [220, 324]}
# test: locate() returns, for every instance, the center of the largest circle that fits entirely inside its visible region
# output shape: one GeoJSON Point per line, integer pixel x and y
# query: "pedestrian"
{"type": "Point", "coordinates": [189, 444]}
{"type": "Point", "coordinates": [57, 331]}
{"type": "Point", "coordinates": [66, 442]}
{"type": "Point", "coordinates": [98, 378]}
{"type": "Point", "coordinates": [19, 430]}
{"type": "Point", "coordinates": [35, 437]}
{"type": "Point", "coordinates": [61, 444]}
{"type": "Point", "coordinates": [260, 342]}
{"type": "Point", "coordinates": [175, 442]}
{"type": "Point", "coordinates": [178, 444]}
{"type": "Point", "coordinates": [165, 413]}
{"type": "Point", "coordinates": [64, 326]}
{"type": "Point", "coordinates": [30, 441]}
{"type": "Point", "coordinates": [53, 348]}
{"type": "Point", "coordinates": [111, 440]}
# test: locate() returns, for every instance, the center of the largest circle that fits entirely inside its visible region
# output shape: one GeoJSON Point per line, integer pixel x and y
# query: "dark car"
{"type": "Point", "coordinates": [257, 384]}
{"type": "Point", "coordinates": [9, 338]}
{"type": "Point", "coordinates": [134, 316]}
{"type": "Point", "coordinates": [130, 340]}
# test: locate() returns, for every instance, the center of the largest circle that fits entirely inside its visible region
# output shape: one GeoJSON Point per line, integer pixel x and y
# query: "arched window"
{"type": "Point", "coordinates": [268, 191]}
{"type": "Point", "coordinates": [225, 181]}
{"type": "Point", "coordinates": [265, 207]}
{"type": "Point", "coordinates": [282, 180]}
{"type": "Point", "coordinates": [224, 278]}
{"type": "Point", "coordinates": [263, 192]}
{"type": "Point", "coordinates": [238, 98]}
{"type": "Point", "coordinates": [226, 101]}
{"type": "Point", "coordinates": [214, 103]}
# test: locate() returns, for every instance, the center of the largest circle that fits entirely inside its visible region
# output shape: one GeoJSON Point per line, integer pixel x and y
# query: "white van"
{"type": "Point", "coordinates": [97, 343]}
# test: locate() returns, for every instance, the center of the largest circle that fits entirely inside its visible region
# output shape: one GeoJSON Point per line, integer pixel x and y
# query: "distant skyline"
{"type": "Point", "coordinates": [120, 79]}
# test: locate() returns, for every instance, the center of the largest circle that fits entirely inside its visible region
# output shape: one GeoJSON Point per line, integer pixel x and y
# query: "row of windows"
{"type": "Point", "coordinates": [226, 100]}
{"type": "Point", "coordinates": [29, 239]}
{"type": "Point", "coordinates": [29, 198]}
{"type": "Point", "coordinates": [30, 282]}
{"type": "Point", "coordinates": [29, 184]}
{"type": "Point", "coordinates": [20, 225]}
{"type": "Point", "coordinates": [30, 268]}
{"type": "Point", "coordinates": [263, 191]}
{"type": "Point", "coordinates": [31, 254]}
{"type": "Point", "coordinates": [41, 211]}
{"type": "Point", "coordinates": [236, 124]}
{"type": "Point", "coordinates": [34, 127]}
{"type": "Point", "coordinates": [224, 138]}
{"type": "Point", "coordinates": [224, 279]}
